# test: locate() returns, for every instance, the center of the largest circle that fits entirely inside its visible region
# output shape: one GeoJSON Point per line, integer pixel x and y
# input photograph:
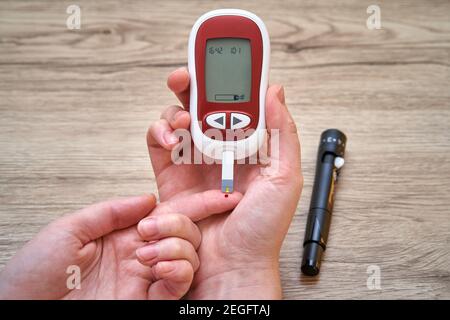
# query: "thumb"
{"type": "Point", "coordinates": [284, 142]}
{"type": "Point", "coordinates": [102, 218]}
{"type": "Point", "coordinates": [200, 205]}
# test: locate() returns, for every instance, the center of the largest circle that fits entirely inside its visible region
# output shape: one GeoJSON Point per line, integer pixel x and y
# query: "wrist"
{"type": "Point", "coordinates": [245, 282]}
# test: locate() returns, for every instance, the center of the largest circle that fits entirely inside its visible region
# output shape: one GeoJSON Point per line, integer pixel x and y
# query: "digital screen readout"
{"type": "Point", "coordinates": [228, 70]}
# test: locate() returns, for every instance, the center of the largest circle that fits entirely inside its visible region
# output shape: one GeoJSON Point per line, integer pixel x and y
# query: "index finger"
{"type": "Point", "coordinates": [178, 83]}
{"type": "Point", "coordinates": [199, 206]}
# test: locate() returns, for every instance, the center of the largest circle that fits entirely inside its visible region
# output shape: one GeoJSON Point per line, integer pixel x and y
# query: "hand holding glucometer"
{"type": "Point", "coordinates": [229, 53]}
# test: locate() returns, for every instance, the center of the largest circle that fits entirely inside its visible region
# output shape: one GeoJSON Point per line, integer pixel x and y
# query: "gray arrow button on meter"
{"type": "Point", "coordinates": [239, 120]}
{"type": "Point", "coordinates": [216, 120]}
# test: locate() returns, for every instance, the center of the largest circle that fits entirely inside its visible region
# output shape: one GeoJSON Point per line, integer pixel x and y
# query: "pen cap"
{"type": "Point", "coordinates": [332, 141]}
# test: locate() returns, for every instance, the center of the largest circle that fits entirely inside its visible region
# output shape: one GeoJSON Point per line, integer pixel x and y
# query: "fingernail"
{"type": "Point", "coordinates": [170, 138]}
{"type": "Point", "coordinates": [148, 228]}
{"type": "Point", "coordinates": [280, 94]}
{"type": "Point", "coordinates": [148, 252]}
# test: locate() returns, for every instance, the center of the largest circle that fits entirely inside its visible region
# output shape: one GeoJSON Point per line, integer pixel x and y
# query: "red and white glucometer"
{"type": "Point", "coordinates": [229, 54]}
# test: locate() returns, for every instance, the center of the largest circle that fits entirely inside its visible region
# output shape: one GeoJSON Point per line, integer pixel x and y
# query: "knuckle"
{"type": "Point", "coordinates": [177, 247]}
{"type": "Point", "coordinates": [185, 270]}
{"type": "Point", "coordinates": [175, 224]}
{"type": "Point", "coordinates": [179, 219]}
{"type": "Point", "coordinates": [165, 112]}
{"type": "Point", "coordinates": [169, 112]}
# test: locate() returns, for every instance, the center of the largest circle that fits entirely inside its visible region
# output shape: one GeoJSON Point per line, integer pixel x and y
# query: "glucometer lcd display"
{"type": "Point", "coordinates": [228, 70]}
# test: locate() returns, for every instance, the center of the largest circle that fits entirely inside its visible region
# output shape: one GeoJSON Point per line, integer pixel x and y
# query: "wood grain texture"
{"type": "Point", "coordinates": [75, 106]}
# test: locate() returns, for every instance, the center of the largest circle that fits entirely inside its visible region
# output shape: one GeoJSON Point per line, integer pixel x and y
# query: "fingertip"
{"type": "Point", "coordinates": [220, 201]}
{"type": "Point", "coordinates": [151, 198]}
{"type": "Point", "coordinates": [148, 199]}
{"type": "Point", "coordinates": [235, 196]}
{"type": "Point", "coordinates": [181, 120]}
{"type": "Point", "coordinates": [178, 80]}
{"type": "Point", "coordinates": [201, 205]}
{"type": "Point", "coordinates": [280, 123]}
{"type": "Point", "coordinates": [148, 228]}
{"type": "Point", "coordinates": [139, 257]}
{"type": "Point", "coordinates": [160, 134]}
{"type": "Point", "coordinates": [280, 94]}
{"type": "Point", "coordinates": [276, 91]}
{"type": "Point", "coordinates": [272, 107]}
{"type": "Point", "coordinates": [277, 114]}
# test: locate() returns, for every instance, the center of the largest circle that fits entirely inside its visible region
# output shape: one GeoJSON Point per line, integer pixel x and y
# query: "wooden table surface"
{"type": "Point", "coordinates": [75, 106]}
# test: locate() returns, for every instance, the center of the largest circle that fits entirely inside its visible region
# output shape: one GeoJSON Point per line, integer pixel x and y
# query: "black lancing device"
{"type": "Point", "coordinates": [330, 159]}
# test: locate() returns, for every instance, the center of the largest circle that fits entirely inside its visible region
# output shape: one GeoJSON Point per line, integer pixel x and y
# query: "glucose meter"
{"type": "Point", "coordinates": [228, 62]}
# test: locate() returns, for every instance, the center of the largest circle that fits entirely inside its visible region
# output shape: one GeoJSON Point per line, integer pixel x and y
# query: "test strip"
{"type": "Point", "coordinates": [227, 171]}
